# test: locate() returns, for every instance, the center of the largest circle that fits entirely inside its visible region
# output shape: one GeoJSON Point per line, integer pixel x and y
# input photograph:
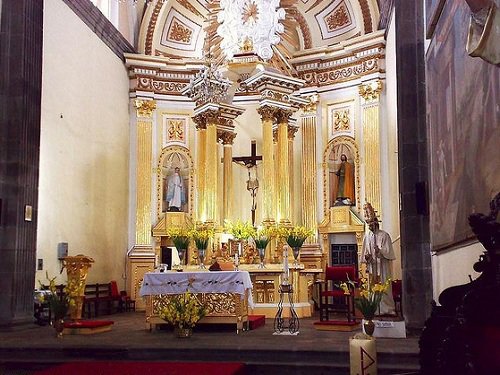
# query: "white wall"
{"type": "Point", "coordinates": [450, 268]}
{"type": "Point", "coordinates": [84, 148]}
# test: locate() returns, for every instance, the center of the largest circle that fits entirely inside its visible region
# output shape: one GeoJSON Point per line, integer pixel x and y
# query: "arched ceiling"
{"type": "Point", "coordinates": [178, 28]}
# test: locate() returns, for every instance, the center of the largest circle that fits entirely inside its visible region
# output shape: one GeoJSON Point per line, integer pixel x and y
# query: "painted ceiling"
{"type": "Point", "coordinates": [188, 28]}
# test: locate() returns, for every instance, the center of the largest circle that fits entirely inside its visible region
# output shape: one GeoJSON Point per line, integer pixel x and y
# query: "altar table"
{"type": "Point", "coordinates": [225, 294]}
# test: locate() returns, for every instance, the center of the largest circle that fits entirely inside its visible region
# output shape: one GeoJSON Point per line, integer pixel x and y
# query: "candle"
{"type": "Point", "coordinates": [363, 355]}
{"type": "Point", "coordinates": [286, 269]}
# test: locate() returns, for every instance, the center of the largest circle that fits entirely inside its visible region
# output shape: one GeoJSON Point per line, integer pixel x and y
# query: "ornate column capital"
{"type": "Point", "coordinates": [312, 105]}
{"type": "Point", "coordinates": [282, 115]}
{"type": "Point", "coordinates": [266, 112]}
{"type": "Point", "coordinates": [371, 91]}
{"type": "Point", "coordinates": [226, 137]}
{"type": "Point", "coordinates": [292, 130]}
{"type": "Point", "coordinates": [200, 121]}
{"type": "Point", "coordinates": [144, 108]}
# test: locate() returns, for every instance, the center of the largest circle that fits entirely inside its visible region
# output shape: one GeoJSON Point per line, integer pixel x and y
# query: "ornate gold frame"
{"type": "Point", "coordinates": [326, 186]}
{"type": "Point", "coordinates": [164, 153]}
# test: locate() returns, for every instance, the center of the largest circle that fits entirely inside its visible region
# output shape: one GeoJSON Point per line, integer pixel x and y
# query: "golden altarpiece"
{"type": "Point", "coordinates": [303, 115]}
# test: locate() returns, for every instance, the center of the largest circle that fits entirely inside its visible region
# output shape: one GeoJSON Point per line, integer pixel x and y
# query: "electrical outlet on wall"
{"type": "Point", "coordinates": [39, 265]}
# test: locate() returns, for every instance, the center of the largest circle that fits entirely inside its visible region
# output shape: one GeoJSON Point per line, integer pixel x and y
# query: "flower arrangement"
{"type": "Point", "coordinates": [262, 237]}
{"type": "Point", "coordinates": [201, 236]}
{"type": "Point", "coordinates": [239, 230]}
{"type": "Point", "coordinates": [183, 311]}
{"type": "Point", "coordinates": [180, 237]}
{"type": "Point", "coordinates": [295, 236]}
{"type": "Point", "coordinates": [370, 296]}
{"type": "Point", "coordinates": [59, 305]}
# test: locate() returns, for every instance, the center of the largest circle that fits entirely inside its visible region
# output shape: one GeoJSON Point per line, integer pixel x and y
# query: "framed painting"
{"type": "Point", "coordinates": [463, 114]}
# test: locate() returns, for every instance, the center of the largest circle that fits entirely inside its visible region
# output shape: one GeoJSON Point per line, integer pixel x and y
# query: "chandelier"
{"type": "Point", "coordinates": [208, 85]}
{"type": "Point", "coordinates": [250, 22]}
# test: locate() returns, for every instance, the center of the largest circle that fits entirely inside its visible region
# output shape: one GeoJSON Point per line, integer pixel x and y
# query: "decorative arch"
{"type": "Point", "coordinates": [173, 155]}
{"type": "Point", "coordinates": [332, 144]}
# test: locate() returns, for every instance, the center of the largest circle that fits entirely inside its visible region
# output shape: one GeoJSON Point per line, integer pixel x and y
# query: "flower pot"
{"type": "Point", "coordinates": [58, 325]}
{"type": "Point", "coordinates": [296, 251]}
{"type": "Point", "coordinates": [262, 254]}
{"type": "Point", "coordinates": [183, 332]}
{"type": "Point", "coordinates": [368, 326]}
{"type": "Point", "coordinates": [201, 257]}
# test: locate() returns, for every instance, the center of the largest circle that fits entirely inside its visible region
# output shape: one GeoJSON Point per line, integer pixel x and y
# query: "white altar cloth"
{"type": "Point", "coordinates": [238, 282]}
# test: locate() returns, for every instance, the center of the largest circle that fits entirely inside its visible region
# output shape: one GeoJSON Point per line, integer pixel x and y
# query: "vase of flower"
{"type": "Point", "coordinates": [183, 332]}
{"type": "Point", "coordinates": [183, 311]}
{"type": "Point", "coordinates": [295, 238]}
{"type": "Point", "coordinates": [201, 236]}
{"type": "Point", "coordinates": [261, 239]}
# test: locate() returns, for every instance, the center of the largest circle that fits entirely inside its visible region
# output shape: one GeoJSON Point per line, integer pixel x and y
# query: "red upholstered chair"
{"type": "Point", "coordinates": [397, 291]}
{"type": "Point", "coordinates": [332, 298]}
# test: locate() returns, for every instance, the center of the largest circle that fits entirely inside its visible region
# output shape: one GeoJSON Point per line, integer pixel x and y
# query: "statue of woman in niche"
{"type": "Point", "coordinates": [175, 183]}
{"type": "Point", "coordinates": [341, 177]}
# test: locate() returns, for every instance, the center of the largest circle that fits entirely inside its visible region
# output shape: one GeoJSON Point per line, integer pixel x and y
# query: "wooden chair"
{"type": "Point", "coordinates": [397, 290]}
{"type": "Point", "coordinates": [332, 298]}
{"type": "Point", "coordinates": [127, 302]}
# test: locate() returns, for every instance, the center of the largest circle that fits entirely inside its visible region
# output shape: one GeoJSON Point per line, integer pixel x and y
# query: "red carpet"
{"type": "Point", "coordinates": [256, 321]}
{"type": "Point", "coordinates": [145, 368]}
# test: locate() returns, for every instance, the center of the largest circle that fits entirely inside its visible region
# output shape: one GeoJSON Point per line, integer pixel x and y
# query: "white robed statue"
{"type": "Point", "coordinates": [176, 195]}
{"type": "Point", "coordinates": [377, 254]}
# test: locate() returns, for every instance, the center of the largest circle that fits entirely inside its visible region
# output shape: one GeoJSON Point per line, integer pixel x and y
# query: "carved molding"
{"type": "Point", "coordinates": [338, 75]}
{"type": "Point", "coordinates": [148, 49]}
{"type": "Point", "coordinates": [292, 130]}
{"type": "Point", "coordinates": [367, 19]}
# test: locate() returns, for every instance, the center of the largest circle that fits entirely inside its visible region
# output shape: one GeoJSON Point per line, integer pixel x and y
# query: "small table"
{"type": "Point", "coordinates": [225, 294]}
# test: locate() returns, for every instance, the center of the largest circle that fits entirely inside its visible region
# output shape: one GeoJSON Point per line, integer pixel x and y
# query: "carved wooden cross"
{"type": "Point", "coordinates": [252, 185]}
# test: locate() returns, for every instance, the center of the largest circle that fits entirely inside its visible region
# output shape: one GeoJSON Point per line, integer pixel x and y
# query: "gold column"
{"type": "Point", "coordinates": [309, 173]}
{"type": "Point", "coordinates": [291, 136]}
{"type": "Point", "coordinates": [267, 115]}
{"type": "Point", "coordinates": [143, 223]}
{"type": "Point", "coordinates": [200, 180]}
{"type": "Point", "coordinates": [284, 167]}
{"type": "Point", "coordinates": [211, 187]}
{"type": "Point", "coordinates": [276, 174]}
{"type": "Point", "coordinates": [227, 139]}
{"type": "Point", "coordinates": [371, 134]}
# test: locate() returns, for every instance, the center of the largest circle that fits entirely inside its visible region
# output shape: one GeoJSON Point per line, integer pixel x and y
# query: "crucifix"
{"type": "Point", "coordinates": [250, 162]}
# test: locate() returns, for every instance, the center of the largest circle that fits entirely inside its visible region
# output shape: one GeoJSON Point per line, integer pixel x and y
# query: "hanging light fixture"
{"type": "Point", "coordinates": [208, 85]}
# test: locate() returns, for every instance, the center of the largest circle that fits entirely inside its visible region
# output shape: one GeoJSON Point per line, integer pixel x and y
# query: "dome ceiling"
{"type": "Point", "coordinates": [188, 28]}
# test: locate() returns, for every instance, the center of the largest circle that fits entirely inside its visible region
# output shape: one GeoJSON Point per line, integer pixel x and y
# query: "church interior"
{"type": "Point", "coordinates": [124, 119]}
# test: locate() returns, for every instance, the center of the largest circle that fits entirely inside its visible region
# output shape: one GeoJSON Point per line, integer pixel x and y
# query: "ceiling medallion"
{"type": "Point", "coordinates": [254, 21]}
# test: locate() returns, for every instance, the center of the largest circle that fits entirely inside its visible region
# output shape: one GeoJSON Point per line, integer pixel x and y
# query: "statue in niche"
{"type": "Point", "coordinates": [341, 171]}
{"type": "Point", "coordinates": [175, 183]}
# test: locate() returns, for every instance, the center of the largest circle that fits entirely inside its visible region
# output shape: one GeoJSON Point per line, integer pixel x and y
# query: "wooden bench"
{"type": "Point", "coordinates": [98, 296]}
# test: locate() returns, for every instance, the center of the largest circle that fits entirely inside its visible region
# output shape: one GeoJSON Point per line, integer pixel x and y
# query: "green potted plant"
{"type": "Point", "coordinates": [295, 238]}
{"type": "Point", "coordinates": [201, 236]}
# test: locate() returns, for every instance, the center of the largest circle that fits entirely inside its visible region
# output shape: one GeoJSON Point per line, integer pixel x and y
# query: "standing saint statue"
{"type": "Point", "coordinates": [176, 195]}
{"type": "Point", "coordinates": [345, 182]}
{"type": "Point", "coordinates": [378, 254]}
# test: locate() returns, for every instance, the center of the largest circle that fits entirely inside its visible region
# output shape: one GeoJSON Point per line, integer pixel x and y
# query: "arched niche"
{"type": "Point", "coordinates": [331, 161]}
{"type": "Point", "coordinates": [170, 158]}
